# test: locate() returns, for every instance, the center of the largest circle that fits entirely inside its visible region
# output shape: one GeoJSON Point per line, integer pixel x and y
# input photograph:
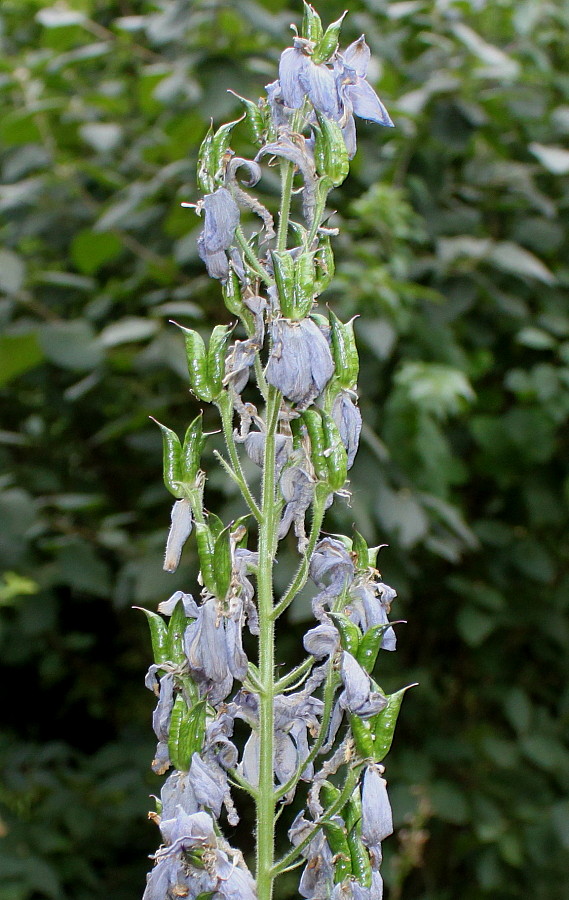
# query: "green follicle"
{"type": "Point", "coordinates": [344, 351]}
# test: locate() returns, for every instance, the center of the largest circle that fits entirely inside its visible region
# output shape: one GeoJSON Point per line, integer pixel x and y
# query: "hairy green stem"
{"type": "Point", "coordinates": [265, 801]}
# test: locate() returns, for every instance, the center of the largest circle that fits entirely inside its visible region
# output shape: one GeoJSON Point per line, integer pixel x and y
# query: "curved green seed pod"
{"type": "Point", "coordinates": [254, 118]}
{"type": "Point", "coordinates": [231, 290]}
{"type": "Point", "coordinates": [206, 169]}
{"type": "Point", "coordinates": [171, 460]}
{"type": "Point", "coordinates": [222, 562]}
{"type": "Point", "coordinates": [338, 843]}
{"type": "Point", "coordinates": [329, 794]}
{"type": "Point", "coordinates": [370, 645]}
{"type": "Point", "coordinates": [349, 633]}
{"type": "Point", "coordinates": [205, 545]}
{"type": "Point", "coordinates": [216, 358]}
{"type": "Point", "coordinates": [330, 154]}
{"type": "Point", "coordinates": [335, 453]}
{"type": "Point", "coordinates": [313, 421]}
{"type": "Point", "coordinates": [325, 267]}
{"type": "Point", "coordinates": [196, 357]}
{"type": "Point", "coordinates": [361, 550]}
{"type": "Point", "coordinates": [359, 856]}
{"type": "Point", "coordinates": [186, 732]}
{"type": "Point", "coordinates": [192, 449]}
{"type": "Point", "coordinates": [215, 525]}
{"type": "Point", "coordinates": [178, 718]}
{"type": "Point", "coordinates": [219, 146]}
{"type": "Point", "coordinates": [158, 635]}
{"type": "Point", "coordinates": [311, 24]}
{"type": "Point", "coordinates": [174, 645]}
{"type": "Point", "coordinates": [384, 723]}
{"type": "Point", "coordinates": [327, 45]}
{"type": "Point", "coordinates": [283, 268]}
{"type": "Point", "coordinates": [304, 276]}
{"type": "Point", "coordinates": [344, 351]}
{"type": "Point", "coordinates": [363, 737]}
{"type": "Point", "coordinates": [353, 811]}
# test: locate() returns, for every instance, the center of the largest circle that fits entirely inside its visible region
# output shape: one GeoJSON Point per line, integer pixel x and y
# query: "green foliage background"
{"type": "Point", "coordinates": [453, 251]}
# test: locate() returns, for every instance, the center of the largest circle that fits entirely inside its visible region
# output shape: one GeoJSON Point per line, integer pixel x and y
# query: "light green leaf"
{"type": "Point", "coordinates": [59, 17]}
{"type": "Point", "coordinates": [102, 136]}
{"type": "Point", "coordinates": [127, 330]}
{"type": "Point", "coordinates": [555, 159]}
{"type": "Point", "coordinates": [12, 272]}
{"type": "Point", "coordinates": [92, 249]}
{"type": "Point", "coordinates": [18, 354]}
{"type": "Point", "coordinates": [515, 259]}
{"type": "Point", "coordinates": [71, 345]}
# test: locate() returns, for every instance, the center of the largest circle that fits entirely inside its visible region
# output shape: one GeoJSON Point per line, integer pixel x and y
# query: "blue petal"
{"type": "Point", "coordinates": [366, 104]}
{"type": "Point", "coordinates": [292, 64]}
{"type": "Point", "coordinates": [357, 55]}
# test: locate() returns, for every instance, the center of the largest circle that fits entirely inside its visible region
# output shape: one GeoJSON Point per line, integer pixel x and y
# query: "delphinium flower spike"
{"type": "Point", "coordinates": [327, 723]}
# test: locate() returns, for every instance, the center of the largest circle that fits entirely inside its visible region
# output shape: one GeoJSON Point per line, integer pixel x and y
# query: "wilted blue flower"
{"type": "Point", "coordinates": [348, 418]}
{"type": "Point", "coordinates": [300, 364]}
{"type": "Point", "coordinates": [221, 215]}
{"type": "Point", "coordinates": [321, 641]}
{"type": "Point", "coordinates": [332, 570]}
{"type": "Point", "coordinates": [297, 488]}
{"type": "Point", "coordinates": [234, 881]}
{"type": "Point", "coordinates": [318, 875]}
{"type": "Point", "coordinates": [377, 820]}
{"type": "Point", "coordinates": [255, 448]}
{"type": "Point", "coordinates": [214, 649]}
{"type": "Point", "coordinates": [368, 604]}
{"type": "Point", "coordinates": [357, 94]}
{"type": "Point", "coordinates": [177, 794]}
{"type": "Point", "coordinates": [295, 151]}
{"type": "Point", "coordinates": [186, 832]}
{"type": "Point", "coordinates": [357, 696]}
{"type": "Point", "coordinates": [191, 608]}
{"type": "Point", "coordinates": [293, 62]}
{"type": "Point", "coordinates": [296, 715]}
{"type": "Point", "coordinates": [164, 688]}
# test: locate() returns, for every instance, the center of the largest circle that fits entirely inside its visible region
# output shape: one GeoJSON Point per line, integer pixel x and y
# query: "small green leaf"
{"type": "Point", "coordinates": [18, 354]}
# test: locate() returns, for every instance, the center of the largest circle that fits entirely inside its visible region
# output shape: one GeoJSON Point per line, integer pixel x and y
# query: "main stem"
{"type": "Point", "coordinates": [267, 548]}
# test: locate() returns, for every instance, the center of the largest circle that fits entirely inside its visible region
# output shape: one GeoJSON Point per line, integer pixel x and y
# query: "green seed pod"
{"type": "Point", "coordinates": [254, 118]}
{"type": "Point", "coordinates": [205, 545]}
{"type": "Point", "coordinates": [384, 723]}
{"type": "Point", "coordinates": [195, 733]}
{"type": "Point", "coordinates": [359, 856]}
{"type": "Point", "coordinates": [361, 550]}
{"type": "Point", "coordinates": [313, 421]}
{"type": "Point", "coordinates": [197, 364]}
{"type": "Point", "coordinates": [325, 267]}
{"type": "Point", "coordinates": [215, 525]}
{"type": "Point", "coordinates": [171, 460]}
{"type": "Point", "coordinates": [283, 267]}
{"type": "Point", "coordinates": [353, 811]}
{"type": "Point", "coordinates": [231, 290]}
{"type": "Point", "coordinates": [335, 453]}
{"type": "Point", "coordinates": [216, 358]}
{"type": "Point", "coordinates": [338, 843]}
{"type": "Point", "coordinates": [329, 794]}
{"type": "Point", "coordinates": [304, 276]}
{"type": "Point", "coordinates": [330, 154]}
{"type": "Point", "coordinates": [350, 634]}
{"type": "Point", "coordinates": [370, 645]}
{"type": "Point", "coordinates": [344, 351]}
{"type": "Point", "coordinates": [174, 644]}
{"type": "Point", "coordinates": [220, 145]}
{"type": "Point", "coordinates": [311, 24]}
{"type": "Point", "coordinates": [222, 563]}
{"type": "Point", "coordinates": [192, 449]}
{"type": "Point", "coordinates": [329, 41]}
{"type": "Point", "coordinates": [206, 181]}
{"type": "Point", "coordinates": [363, 737]}
{"type": "Point", "coordinates": [158, 635]}
{"type": "Point", "coordinates": [178, 720]}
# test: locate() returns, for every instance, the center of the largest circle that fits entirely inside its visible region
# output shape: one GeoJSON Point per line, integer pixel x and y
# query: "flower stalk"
{"type": "Point", "coordinates": [327, 718]}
